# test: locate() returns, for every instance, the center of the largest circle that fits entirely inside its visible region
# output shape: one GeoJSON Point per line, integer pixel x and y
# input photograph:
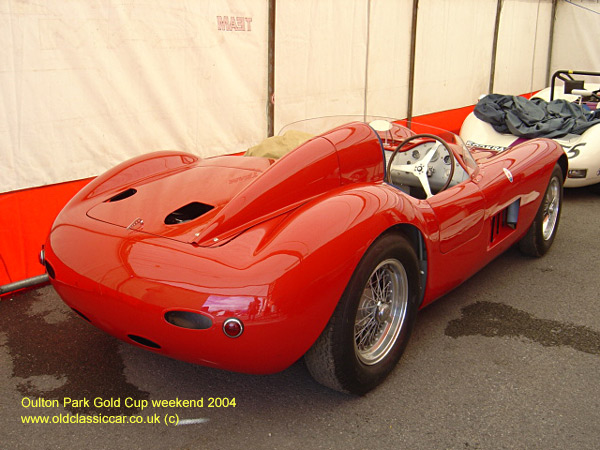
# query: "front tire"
{"type": "Point", "coordinates": [371, 325]}
{"type": "Point", "coordinates": [542, 231]}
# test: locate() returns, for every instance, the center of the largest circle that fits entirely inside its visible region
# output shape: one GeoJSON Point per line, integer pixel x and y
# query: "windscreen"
{"type": "Point", "coordinates": [391, 132]}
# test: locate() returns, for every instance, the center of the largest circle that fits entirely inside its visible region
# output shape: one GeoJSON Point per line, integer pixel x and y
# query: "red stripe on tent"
{"type": "Point", "coordinates": [450, 120]}
{"type": "Point", "coordinates": [25, 220]}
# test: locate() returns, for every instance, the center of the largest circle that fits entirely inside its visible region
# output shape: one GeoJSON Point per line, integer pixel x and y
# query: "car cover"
{"type": "Point", "coordinates": [534, 118]}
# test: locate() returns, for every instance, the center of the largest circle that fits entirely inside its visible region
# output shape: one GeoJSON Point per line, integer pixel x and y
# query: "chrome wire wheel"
{"type": "Point", "coordinates": [371, 325]}
{"type": "Point", "coordinates": [551, 209]}
{"type": "Point", "coordinates": [381, 312]}
{"type": "Point", "coordinates": [542, 231]}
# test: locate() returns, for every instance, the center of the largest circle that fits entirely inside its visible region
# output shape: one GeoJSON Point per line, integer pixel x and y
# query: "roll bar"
{"type": "Point", "coordinates": [570, 82]}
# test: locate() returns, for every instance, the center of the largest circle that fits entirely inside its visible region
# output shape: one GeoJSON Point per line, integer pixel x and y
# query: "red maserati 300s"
{"type": "Point", "coordinates": [322, 242]}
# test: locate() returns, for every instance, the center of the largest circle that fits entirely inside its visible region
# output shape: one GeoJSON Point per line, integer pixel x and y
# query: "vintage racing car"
{"type": "Point", "coordinates": [324, 243]}
{"type": "Point", "coordinates": [581, 143]}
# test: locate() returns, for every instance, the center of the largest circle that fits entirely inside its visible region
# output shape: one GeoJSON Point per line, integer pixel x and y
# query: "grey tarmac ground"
{"type": "Point", "coordinates": [509, 360]}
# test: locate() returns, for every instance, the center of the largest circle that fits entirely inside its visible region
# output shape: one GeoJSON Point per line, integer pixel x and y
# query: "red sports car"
{"type": "Point", "coordinates": [316, 243]}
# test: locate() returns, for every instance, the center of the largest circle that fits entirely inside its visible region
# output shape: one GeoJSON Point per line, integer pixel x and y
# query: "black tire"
{"type": "Point", "coordinates": [381, 321]}
{"type": "Point", "coordinates": [542, 231]}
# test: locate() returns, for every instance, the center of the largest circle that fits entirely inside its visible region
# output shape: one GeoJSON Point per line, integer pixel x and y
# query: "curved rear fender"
{"type": "Point", "coordinates": [323, 243]}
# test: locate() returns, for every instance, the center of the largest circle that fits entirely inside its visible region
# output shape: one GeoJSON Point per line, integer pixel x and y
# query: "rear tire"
{"type": "Point", "coordinates": [371, 325]}
{"type": "Point", "coordinates": [542, 231]}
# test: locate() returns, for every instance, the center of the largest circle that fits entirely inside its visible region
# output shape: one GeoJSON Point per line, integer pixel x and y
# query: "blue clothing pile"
{"type": "Point", "coordinates": [533, 118]}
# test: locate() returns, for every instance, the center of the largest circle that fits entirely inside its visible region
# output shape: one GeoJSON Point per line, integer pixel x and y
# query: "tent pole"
{"type": "Point", "coordinates": [495, 46]}
{"type": "Point", "coordinates": [551, 41]}
{"type": "Point", "coordinates": [271, 71]}
{"type": "Point", "coordinates": [365, 102]}
{"type": "Point", "coordinates": [413, 52]}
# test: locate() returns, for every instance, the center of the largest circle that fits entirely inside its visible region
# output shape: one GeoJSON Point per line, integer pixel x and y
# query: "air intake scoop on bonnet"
{"type": "Point", "coordinates": [188, 212]}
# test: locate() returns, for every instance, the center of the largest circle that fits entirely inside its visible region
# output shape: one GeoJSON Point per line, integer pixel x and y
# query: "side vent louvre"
{"type": "Point", "coordinates": [504, 222]}
{"type": "Point", "coordinates": [498, 223]}
{"type": "Point", "coordinates": [186, 213]}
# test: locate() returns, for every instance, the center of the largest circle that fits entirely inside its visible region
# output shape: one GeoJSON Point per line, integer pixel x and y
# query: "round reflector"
{"type": "Point", "coordinates": [233, 327]}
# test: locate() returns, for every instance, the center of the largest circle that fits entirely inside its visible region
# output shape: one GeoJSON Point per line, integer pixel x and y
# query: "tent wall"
{"type": "Point", "coordinates": [87, 84]}
{"type": "Point", "coordinates": [452, 62]}
{"type": "Point", "coordinates": [388, 58]}
{"type": "Point", "coordinates": [576, 43]}
{"type": "Point", "coordinates": [320, 58]}
{"type": "Point", "coordinates": [523, 43]}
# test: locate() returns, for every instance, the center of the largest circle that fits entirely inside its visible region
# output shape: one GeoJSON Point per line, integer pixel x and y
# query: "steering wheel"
{"type": "Point", "coordinates": [421, 167]}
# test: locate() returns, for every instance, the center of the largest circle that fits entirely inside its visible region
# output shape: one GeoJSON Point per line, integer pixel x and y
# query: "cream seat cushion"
{"type": "Point", "coordinates": [277, 146]}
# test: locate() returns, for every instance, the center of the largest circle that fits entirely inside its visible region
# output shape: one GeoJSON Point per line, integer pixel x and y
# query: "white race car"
{"type": "Point", "coordinates": [491, 127]}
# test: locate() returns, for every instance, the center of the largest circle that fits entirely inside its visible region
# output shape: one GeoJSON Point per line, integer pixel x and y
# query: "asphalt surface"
{"type": "Point", "coordinates": [510, 359]}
